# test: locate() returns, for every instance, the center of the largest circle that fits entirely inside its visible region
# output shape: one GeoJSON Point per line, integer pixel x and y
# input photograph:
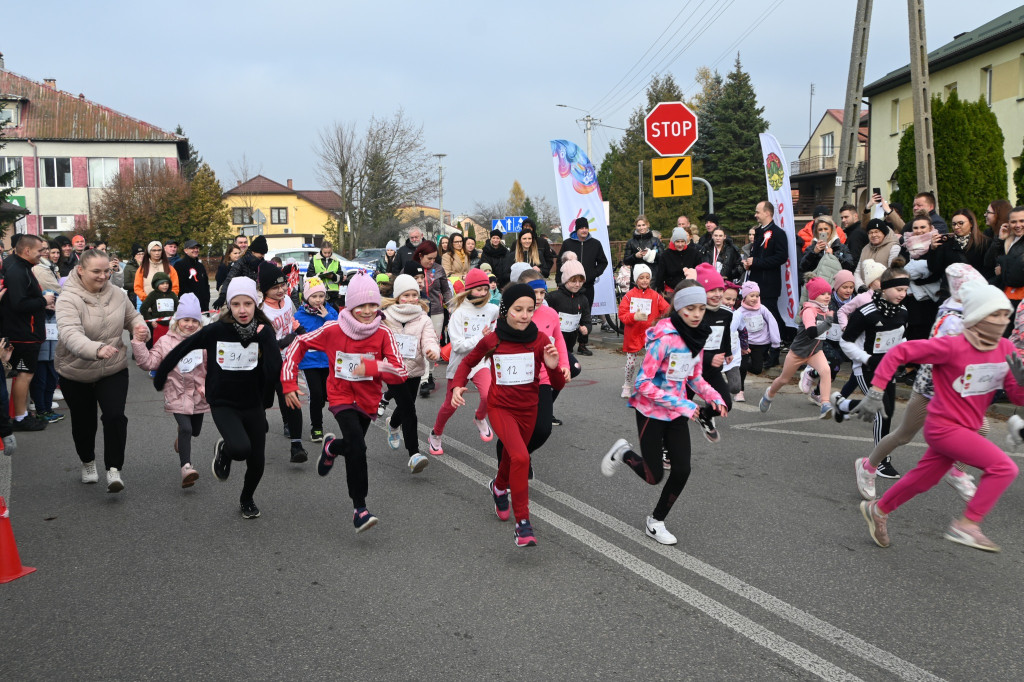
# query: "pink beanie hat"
{"type": "Point", "coordinates": [748, 288]}
{"type": "Point", "coordinates": [841, 278]}
{"type": "Point", "coordinates": [313, 285]}
{"type": "Point", "coordinates": [361, 290]}
{"type": "Point", "coordinates": [818, 286]}
{"type": "Point", "coordinates": [242, 286]}
{"type": "Point", "coordinates": [709, 278]}
{"type": "Point", "coordinates": [959, 274]}
{"type": "Point", "coordinates": [572, 268]}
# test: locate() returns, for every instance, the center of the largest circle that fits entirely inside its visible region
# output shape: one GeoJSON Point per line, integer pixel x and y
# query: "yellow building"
{"type": "Point", "coordinates": [286, 211]}
{"type": "Point", "coordinates": [986, 62]}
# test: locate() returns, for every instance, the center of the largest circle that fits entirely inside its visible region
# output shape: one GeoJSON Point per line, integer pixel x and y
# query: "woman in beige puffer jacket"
{"type": "Point", "coordinates": [92, 361]}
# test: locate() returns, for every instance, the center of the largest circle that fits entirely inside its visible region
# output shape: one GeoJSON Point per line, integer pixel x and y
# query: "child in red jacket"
{"type": "Point", "coordinates": [640, 308]}
{"type": "Point", "coordinates": [362, 351]}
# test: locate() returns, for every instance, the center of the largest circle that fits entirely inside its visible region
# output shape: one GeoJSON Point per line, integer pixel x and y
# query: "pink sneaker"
{"type": "Point", "coordinates": [962, 483]}
{"type": "Point", "coordinates": [876, 523]}
{"type": "Point", "coordinates": [806, 380]}
{"type": "Point", "coordinates": [434, 444]}
{"type": "Point", "coordinates": [484, 427]}
{"type": "Point", "coordinates": [971, 536]}
{"type": "Point", "coordinates": [189, 476]}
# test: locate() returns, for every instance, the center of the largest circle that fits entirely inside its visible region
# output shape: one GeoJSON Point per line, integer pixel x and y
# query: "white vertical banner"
{"type": "Point", "coordinates": [580, 197]}
{"type": "Point", "coordinates": [780, 195]}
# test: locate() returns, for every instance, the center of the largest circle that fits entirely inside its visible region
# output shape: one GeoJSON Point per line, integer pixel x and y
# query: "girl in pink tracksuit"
{"type": "Point", "coordinates": [672, 363]}
{"type": "Point", "coordinates": [185, 390]}
{"type": "Point", "coordinates": [967, 370]}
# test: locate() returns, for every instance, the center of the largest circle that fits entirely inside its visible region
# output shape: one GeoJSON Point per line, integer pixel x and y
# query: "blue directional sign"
{"type": "Point", "coordinates": [508, 224]}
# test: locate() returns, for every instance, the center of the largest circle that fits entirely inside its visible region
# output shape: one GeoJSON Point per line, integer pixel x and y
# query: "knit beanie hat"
{"type": "Point", "coordinates": [270, 276]}
{"type": "Point", "coordinates": [152, 245]}
{"type": "Point", "coordinates": [518, 269]}
{"type": "Point", "coordinates": [313, 285]}
{"type": "Point", "coordinates": [391, 246]}
{"type": "Point", "coordinates": [403, 283]}
{"type": "Point", "coordinates": [486, 268]}
{"type": "Point", "coordinates": [497, 233]}
{"type": "Point", "coordinates": [959, 274]}
{"type": "Point", "coordinates": [242, 286]}
{"type": "Point", "coordinates": [820, 210]}
{"type": "Point", "coordinates": [581, 224]}
{"type": "Point", "coordinates": [382, 278]}
{"type": "Point", "coordinates": [412, 268]}
{"type": "Point", "coordinates": [160, 277]}
{"type": "Point", "coordinates": [512, 294]}
{"type": "Point", "coordinates": [476, 278]}
{"type": "Point", "coordinates": [841, 278]}
{"type": "Point", "coordinates": [361, 290]}
{"type": "Point", "coordinates": [640, 269]}
{"type": "Point", "coordinates": [709, 278]}
{"type": "Point", "coordinates": [872, 271]}
{"type": "Point", "coordinates": [981, 300]}
{"type": "Point", "coordinates": [879, 225]}
{"type": "Point", "coordinates": [259, 245]}
{"type": "Point", "coordinates": [818, 286]}
{"type": "Point", "coordinates": [188, 308]}
{"type": "Point", "coordinates": [749, 287]}
{"type": "Point", "coordinates": [680, 233]}
{"type": "Point", "coordinates": [572, 268]}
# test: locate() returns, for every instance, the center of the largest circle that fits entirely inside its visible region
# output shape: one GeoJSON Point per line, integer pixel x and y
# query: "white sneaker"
{"type": "Point", "coordinates": [962, 483]}
{"type": "Point", "coordinates": [434, 443]}
{"type": "Point", "coordinates": [1013, 431]}
{"type": "Point", "coordinates": [613, 458]}
{"type": "Point", "coordinates": [739, 398]}
{"type": "Point", "coordinates": [54, 405]}
{"type": "Point", "coordinates": [627, 391]}
{"type": "Point", "coordinates": [10, 445]}
{"type": "Point", "coordinates": [865, 479]}
{"type": "Point", "coordinates": [394, 437]}
{"type": "Point", "coordinates": [418, 463]}
{"type": "Point", "coordinates": [58, 395]}
{"type": "Point", "coordinates": [31, 406]}
{"type": "Point", "coordinates": [114, 482]}
{"type": "Point", "coordinates": [484, 427]}
{"type": "Point", "coordinates": [806, 380]}
{"type": "Point", "coordinates": [89, 474]}
{"type": "Point", "coordinates": [656, 530]}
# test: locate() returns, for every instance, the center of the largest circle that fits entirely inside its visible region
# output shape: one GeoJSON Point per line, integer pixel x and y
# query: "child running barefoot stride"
{"type": "Point", "coordinates": [639, 309]}
{"type": "Point", "coordinates": [362, 351]}
{"type": "Point", "coordinates": [672, 363]}
{"type": "Point", "coordinates": [516, 350]}
{"type": "Point", "coordinates": [185, 391]}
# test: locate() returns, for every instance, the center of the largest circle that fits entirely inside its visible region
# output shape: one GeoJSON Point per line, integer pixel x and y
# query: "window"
{"type": "Point", "coordinates": [278, 216]}
{"type": "Point", "coordinates": [58, 223]}
{"type": "Point", "coordinates": [949, 90]}
{"type": "Point", "coordinates": [9, 113]}
{"type": "Point", "coordinates": [828, 142]}
{"type": "Point", "coordinates": [894, 111]}
{"type": "Point", "coordinates": [102, 171]}
{"type": "Point", "coordinates": [55, 172]}
{"type": "Point", "coordinates": [241, 216]}
{"type": "Point", "coordinates": [8, 164]}
{"type": "Point", "coordinates": [149, 164]}
{"type": "Point", "coordinates": [986, 84]}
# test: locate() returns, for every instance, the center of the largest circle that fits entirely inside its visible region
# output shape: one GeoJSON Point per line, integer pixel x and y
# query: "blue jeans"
{"type": "Point", "coordinates": [44, 383]}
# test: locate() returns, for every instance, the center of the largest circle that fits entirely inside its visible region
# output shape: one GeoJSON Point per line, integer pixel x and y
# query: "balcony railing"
{"type": "Point", "coordinates": [813, 164]}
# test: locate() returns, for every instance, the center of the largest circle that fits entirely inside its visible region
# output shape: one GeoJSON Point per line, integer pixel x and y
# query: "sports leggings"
{"type": "Point", "coordinates": [513, 428]}
{"type": "Point", "coordinates": [405, 412]}
{"type": "Point", "coordinates": [630, 371]}
{"type": "Point", "coordinates": [189, 426]}
{"type": "Point", "coordinates": [881, 424]}
{"type": "Point", "coordinates": [714, 376]}
{"type": "Point", "coordinates": [352, 446]}
{"type": "Point", "coordinates": [245, 439]}
{"type": "Point", "coordinates": [482, 380]}
{"type": "Point", "coordinates": [793, 363]}
{"type": "Point", "coordinates": [110, 395]}
{"type": "Point", "coordinates": [657, 436]}
{"type": "Point", "coordinates": [316, 382]}
{"type": "Point", "coordinates": [947, 443]}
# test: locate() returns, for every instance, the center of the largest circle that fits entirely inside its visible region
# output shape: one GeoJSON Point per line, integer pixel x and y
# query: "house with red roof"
{"type": "Point", "coordinates": [287, 214]}
{"type": "Point", "coordinates": [813, 173]}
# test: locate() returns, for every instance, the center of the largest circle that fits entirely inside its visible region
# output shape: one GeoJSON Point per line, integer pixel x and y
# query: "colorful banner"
{"type": "Point", "coordinates": [580, 197]}
{"type": "Point", "coordinates": [781, 197]}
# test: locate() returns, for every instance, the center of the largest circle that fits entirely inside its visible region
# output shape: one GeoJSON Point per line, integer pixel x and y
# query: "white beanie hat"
{"type": "Point", "coordinates": [981, 300]}
{"type": "Point", "coordinates": [242, 286]}
{"type": "Point", "coordinates": [390, 246]}
{"type": "Point", "coordinates": [404, 283]}
{"type": "Point", "coordinates": [517, 270]}
{"type": "Point", "coordinates": [640, 269]}
{"type": "Point", "coordinates": [872, 271]}
{"type": "Point", "coordinates": [680, 233]}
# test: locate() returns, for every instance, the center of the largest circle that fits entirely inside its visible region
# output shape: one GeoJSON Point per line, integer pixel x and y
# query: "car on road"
{"type": "Point", "coordinates": [304, 253]}
{"type": "Point", "coordinates": [369, 257]}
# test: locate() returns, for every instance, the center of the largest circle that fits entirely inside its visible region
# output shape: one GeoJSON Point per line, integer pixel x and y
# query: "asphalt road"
{"type": "Point", "coordinates": [774, 576]}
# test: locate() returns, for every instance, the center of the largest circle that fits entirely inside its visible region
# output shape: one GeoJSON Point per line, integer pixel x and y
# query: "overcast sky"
{"type": "Point", "coordinates": [262, 78]}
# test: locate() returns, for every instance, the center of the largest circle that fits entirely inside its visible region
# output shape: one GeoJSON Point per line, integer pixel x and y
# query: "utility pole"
{"type": "Point", "coordinates": [848, 141]}
{"type": "Point", "coordinates": [810, 114]}
{"type": "Point", "coordinates": [588, 127]}
{"type": "Point", "coordinates": [923, 139]}
{"type": "Point", "coordinates": [440, 191]}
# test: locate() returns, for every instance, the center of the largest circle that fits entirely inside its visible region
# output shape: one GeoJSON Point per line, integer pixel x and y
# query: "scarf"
{"type": "Point", "coordinates": [884, 306]}
{"type": "Point", "coordinates": [505, 332]}
{"type": "Point", "coordinates": [748, 307]}
{"type": "Point", "coordinates": [311, 310]}
{"type": "Point", "coordinates": [693, 337]}
{"type": "Point", "coordinates": [962, 241]}
{"type": "Point", "coordinates": [354, 329]}
{"type": "Point", "coordinates": [246, 332]}
{"type": "Point", "coordinates": [404, 313]}
{"type": "Point", "coordinates": [984, 335]}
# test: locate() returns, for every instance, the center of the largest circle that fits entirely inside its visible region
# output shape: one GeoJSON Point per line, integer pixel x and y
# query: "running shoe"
{"type": "Point", "coordinates": [666, 463]}
{"type": "Point", "coordinates": [298, 453]}
{"type": "Point", "coordinates": [523, 534]}
{"type": "Point", "coordinates": [89, 473]}
{"type": "Point", "coordinates": [865, 478]}
{"type": "Point", "coordinates": [29, 423]}
{"type": "Point", "coordinates": [555, 421]}
{"type": "Point", "coordinates": [814, 398]}
{"type": "Point", "coordinates": [656, 529]}
{"type": "Point", "coordinates": [434, 444]}
{"type": "Point", "coordinates": [707, 425]}
{"type": "Point", "coordinates": [501, 501]}
{"type": "Point", "coordinates": [326, 461]}
{"type": "Point", "coordinates": [826, 411]}
{"type": "Point", "coordinates": [362, 519]}
{"type": "Point", "coordinates": [51, 417]}
{"type": "Point", "coordinates": [10, 444]}
{"type": "Point", "coordinates": [583, 350]}
{"type": "Point", "coordinates": [250, 510]}
{"type": "Point", "coordinates": [887, 470]}
{"type": "Point", "coordinates": [971, 536]}
{"type": "Point", "coordinates": [58, 394]}
{"type": "Point", "coordinates": [382, 407]}
{"type": "Point", "coordinates": [876, 522]}
{"type": "Point", "coordinates": [114, 482]}
{"type": "Point", "coordinates": [613, 458]}
{"type": "Point", "coordinates": [484, 427]}
{"type": "Point", "coordinates": [962, 483]}
{"type": "Point", "coordinates": [418, 463]}
{"type": "Point", "coordinates": [394, 436]}
{"type": "Point", "coordinates": [221, 465]}
{"type": "Point", "coordinates": [189, 475]}
{"type": "Point", "coordinates": [765, 404]}
{"type": "Point", "coordinates": [806, 380]}
{"type": "Point", "coordinates": [627, 391]}
{"type": "Point", "coordinates": [316, 435]}
{"type": "Point", "coordinates": [1013, 431]}
{"type": "Point", "coordinates": [837, 412]}
{"type": "Point", "coordinates": [740, 398]}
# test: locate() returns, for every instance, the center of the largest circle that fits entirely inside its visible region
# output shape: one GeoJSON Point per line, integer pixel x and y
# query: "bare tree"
{"type": "Point", "coordinates": [243, 171]}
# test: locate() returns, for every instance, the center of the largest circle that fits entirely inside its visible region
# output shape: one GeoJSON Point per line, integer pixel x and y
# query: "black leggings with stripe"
{"type": "Point", "coordinates": [655, 436]}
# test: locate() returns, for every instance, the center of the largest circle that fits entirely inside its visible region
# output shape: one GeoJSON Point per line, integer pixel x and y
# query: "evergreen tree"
{"type": "Point", "coordinates": [970, 170]}
{"type": "Point", "coordinates": [192, 162]}
{"type": "Point", "coordinates": [704, 104]}
{"type": "Point", "coordinates": [379, 202]}
{"type": "Point", "coordinates": [1018, 181]}
{"type": "Point", "coordinates": [209, 218]}
{"type": "Point", "coordinates": [531, 212]}
{"type": "Point", "coordinates": [7, 179]}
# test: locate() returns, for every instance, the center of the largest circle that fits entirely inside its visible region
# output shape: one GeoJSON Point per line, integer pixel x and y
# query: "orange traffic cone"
{"type": "Point", "coordinates": [10, 562]}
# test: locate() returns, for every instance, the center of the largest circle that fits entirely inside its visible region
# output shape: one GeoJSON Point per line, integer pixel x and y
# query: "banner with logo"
{"type": "Point", "coordinates": [776, 175]}
{"type": "Point", "coordinates": [580, 197]}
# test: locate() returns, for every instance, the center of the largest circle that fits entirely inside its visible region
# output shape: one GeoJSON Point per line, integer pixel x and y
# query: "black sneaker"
{"type": "Point", "coordinates": [555, 421]}
{"type": "Point", "coordinates": [250, 510]}
{"type": "Point", "coordinates": [707, 425]}
{"type": "Point", "coordinates": [887, 470]}
{"type": "Point", "coordinates": [316, 435]}
{"type": "Point", "coordinates": [837, 413]}
{"type": "Point", "coordinates": [362, 519]}
{"type": "Point", "coordinates": [298, 453]}
{"type": "Point", "coordinates": [501, 502]}
{"type": "Point", "coordinates": [29, 423]}
{"type": "Point", "coordinates": [326, 461]}
{"type": "Point", "coordinates": [424, 390]}
{"type": "Point", "coordinates": [221, 465]}
{"type": "Point", "coordinates": [583, 350]}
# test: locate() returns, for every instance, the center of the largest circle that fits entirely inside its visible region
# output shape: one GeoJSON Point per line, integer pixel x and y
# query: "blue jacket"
{"type": "Point", "coordinates": [314, 359]}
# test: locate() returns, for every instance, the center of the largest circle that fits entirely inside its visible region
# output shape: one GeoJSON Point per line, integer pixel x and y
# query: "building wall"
{"type": "Point", "coordinates": [892, 111]}
{"type": "Point", "coordinates": [828, 124]}
{"type": "Point", "coordinates": [303, 217]}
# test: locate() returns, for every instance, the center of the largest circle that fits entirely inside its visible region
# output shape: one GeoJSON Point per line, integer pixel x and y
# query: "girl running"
{"type": "Point", "coordinates": [639, 309]}
{"type": "Point", "coordinates": [239, 385]}
{"type": "Point", "coordinates": [731, 369]}
{"type": "Point", "coordinates": [842, 293]}
{"type": "Point", "coordinates": [185, 391]}
{"type": "Point", "coordinates": [717, 347]}
{"type": "Point", "coordinates": [761, 328]}
{"type": "Point", "coordinates": [279, 310]}
{"type": "Point", "coordinates": [672, 364]}
{"type": "Point", "coordinates": [570, 302]}
{"type": "Point", "coordinates": [314, 313]}
{"type": "Point", "coordinates": [517, 350]}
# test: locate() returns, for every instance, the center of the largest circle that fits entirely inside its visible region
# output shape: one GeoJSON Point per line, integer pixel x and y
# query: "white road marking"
{"type": "Point", "coordinates": [755, 425]}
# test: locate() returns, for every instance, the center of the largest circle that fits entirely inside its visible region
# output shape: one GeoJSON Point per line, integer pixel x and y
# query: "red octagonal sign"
{"type": "Point", "coordinates": [671, 128]}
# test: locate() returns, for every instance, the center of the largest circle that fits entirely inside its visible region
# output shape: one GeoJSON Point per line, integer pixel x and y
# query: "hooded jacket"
{"type": "Point", "coordinates": [636, 330]}
{"type": "Point", "coordinates": [185, 390]}
{"type": "Point", "coordinates": [411, 320]}
{"type": "Point", "coordinates": [23, 308]}
{"type": "Point", "coordinates": [591, 255]}
{"type": "Point", "coordinates": [246, 266]}
{"type": "Point", "coordinates": [639, 242]}
{"type": "Point", "coordinates": [726, 260]}
{"type": "Point", "coordinates": [566, 303]}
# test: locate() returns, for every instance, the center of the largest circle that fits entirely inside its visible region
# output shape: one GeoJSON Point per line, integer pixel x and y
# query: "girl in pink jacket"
{"type": "Point", "coordinates": [185, 390]}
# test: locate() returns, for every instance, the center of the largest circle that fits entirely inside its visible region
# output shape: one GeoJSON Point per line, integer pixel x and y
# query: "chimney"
{"type": "Point", "coordinates": [50, 82]}
{"type": "Point", "coordinates": [1, 60]}
{"type": "Point", "coordinates": [239, 184]}
{"type": "Point", "coordinates": [290, 184]}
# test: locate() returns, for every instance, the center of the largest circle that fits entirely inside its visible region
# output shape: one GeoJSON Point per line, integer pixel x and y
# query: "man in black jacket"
{"type": "Point", "coordinates": [23, 310]}
{"type": "Point", "coordinates": [856, 235]}
{"type": "Point", "coordinates": [192, 277]}
{"type": "Point", "coordinates": [494, 251]}
{"type": "Point", "coordinates": [404, 254]}
{"type": "Point", "coordinates": [768, 257]}
{"type": "Point", "coordinates": [591, 255]}
{"type": "Point", "coordinates": [246, 266]}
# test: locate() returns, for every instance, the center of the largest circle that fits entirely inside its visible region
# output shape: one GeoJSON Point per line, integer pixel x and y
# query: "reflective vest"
{"type": "Point", "coordinates": [332, 266]}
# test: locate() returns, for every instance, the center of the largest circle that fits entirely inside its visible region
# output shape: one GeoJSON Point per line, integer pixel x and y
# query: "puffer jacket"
{"type": "Point", "coordinates": [466, 329]}
{"type": "Point", "coordinates": [184, 392]}
{"type": "Point", "coordinates": [314, 359]}
{"type": "Point", "coordinates": [410, 319]}
{"type": "Point", "coordinates": [85, 323]}
{"type": "Point", "coordinates": [636, 330]}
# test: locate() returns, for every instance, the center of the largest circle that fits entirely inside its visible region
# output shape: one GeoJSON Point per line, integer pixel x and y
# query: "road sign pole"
{"type": "Point", "coordinates": [640, 178]}
{"type": "Point", "coordinates": [711, 194]}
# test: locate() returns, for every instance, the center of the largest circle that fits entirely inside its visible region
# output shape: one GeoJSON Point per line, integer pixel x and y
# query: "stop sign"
{"type": "Point", "coordinates": [670, 128]}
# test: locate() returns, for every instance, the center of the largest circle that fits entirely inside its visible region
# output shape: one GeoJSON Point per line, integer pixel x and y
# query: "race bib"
{"type": "Point", "coordinates": [345, 365]}
{"type": "Point", "coordinates": [569, 323]}
{"type": "Point", "coordinates": [233, 357]}
{"type": "Point", "coordinates": [714, 341]}
{"type": "Point", "coordinates": [165, 305]}
{"type": "Point", "coordinates": [680, 366]}
{"type": "Point", "coordinates": [983, 378]}
{"type": "Point", "coordinates": [474, 326]}
{"type": "Point", "coordinates": [190, 361]}
{"type": "Point", "coordinates": [513, 369]}
{"type": "Point", "coordinates": [886, 340]}
{"type": "Point", "coordinates": [753, 323]}
{"type": "Point", "coordinates": [51, 331]}
{"type": "Point", "coordinates": [834, 333]}
{"type": "Point", "coordinates": [408, 345]}
{"type": "Point", "coordinates": [640, 305]}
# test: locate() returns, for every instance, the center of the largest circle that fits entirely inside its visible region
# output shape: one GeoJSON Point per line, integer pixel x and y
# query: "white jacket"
{"type": "Point", "coordinates": [466, 328]}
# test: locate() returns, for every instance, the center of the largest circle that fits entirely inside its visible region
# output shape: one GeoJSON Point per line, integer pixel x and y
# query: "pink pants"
{"type": "Point", "coordinates": [482, 379]}
{"type": "Point", "coordinates": [949, 443]}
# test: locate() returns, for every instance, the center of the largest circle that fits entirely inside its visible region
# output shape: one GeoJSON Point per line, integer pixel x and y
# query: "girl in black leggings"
{"type": "Point", "coordinates": [243, 367]}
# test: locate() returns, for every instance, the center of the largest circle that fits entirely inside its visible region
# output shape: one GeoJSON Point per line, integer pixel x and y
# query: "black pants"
{"type": "Point", "coordinates": [316, 380]}
{"type": "Point", "coordinates": [245, 440]}
{"type": "Point", "coordinates": [588, 291]}
{"type": "Point", "coordinates": [405, 412]}
{"type": "Point", "coordinates": [542, 427]}
{"type": "Point", "coordinates": [109, 394]}
{"type": "Point", "coordinates": [657, 436]}
{"type": "Point", "coordinates": [189, 427]}
{"type": "Point", "coordinates": [753, 362]}
{"type": "Point", "coordinates": [714, 376]}
{"type": "Point", "coordinates": [351, 445]}
{"type": "Point", "coordinates": [292, 418]}
{"type": "Point", "coordinates": [882, 424]}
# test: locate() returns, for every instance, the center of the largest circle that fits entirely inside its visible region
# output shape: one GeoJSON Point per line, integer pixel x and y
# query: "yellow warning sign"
{"type": "Point", "coordinates": [671, 177]}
